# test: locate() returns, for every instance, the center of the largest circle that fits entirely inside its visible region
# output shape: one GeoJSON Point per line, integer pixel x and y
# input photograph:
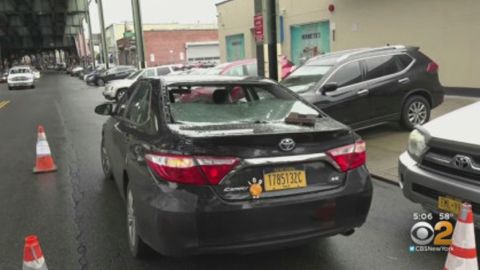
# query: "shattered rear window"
{"type": "Point", "coordinates": [227, 104]}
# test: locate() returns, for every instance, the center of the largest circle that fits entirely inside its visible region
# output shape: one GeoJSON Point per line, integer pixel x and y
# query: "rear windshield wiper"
{"type": "Point", "coordinates": [301, 119]}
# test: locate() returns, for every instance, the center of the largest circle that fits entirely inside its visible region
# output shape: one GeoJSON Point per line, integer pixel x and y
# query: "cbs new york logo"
{"type": "Point", "coordinates": [431, 233]}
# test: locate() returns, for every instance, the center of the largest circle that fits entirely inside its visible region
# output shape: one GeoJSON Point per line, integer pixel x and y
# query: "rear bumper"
{"type": "Point", "coordinates": [179, 222]}
{"type": "Point", "coordinates": [424, 187]}
{"type": "Point", "coordinates": [438, 96]}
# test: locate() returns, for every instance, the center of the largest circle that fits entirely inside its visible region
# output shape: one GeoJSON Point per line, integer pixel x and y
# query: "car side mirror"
{"type": "Point", "coordinates": [329, 87]}
{"type": "Point", "coordinates": [104, 109]}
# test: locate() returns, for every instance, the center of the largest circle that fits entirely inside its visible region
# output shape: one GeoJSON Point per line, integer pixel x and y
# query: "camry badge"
{"type": "Point", "coordinates": [256, 188]}
{"type": "Point", "coordinates": [287, 144]}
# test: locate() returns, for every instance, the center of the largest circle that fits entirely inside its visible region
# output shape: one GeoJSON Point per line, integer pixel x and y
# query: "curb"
{"type": "Point", "coordinates": [384, 180]}
{"type": "Point", "coordinates": [462, 91]}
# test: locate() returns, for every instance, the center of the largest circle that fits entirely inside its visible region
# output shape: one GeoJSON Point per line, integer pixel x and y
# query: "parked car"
{"type": "Point", "coordinates": [20, 76]}
{"type": "Point", "coordinates": [116, 89]}
{"type": "Point", "coordinates": [89, 78]}
{"type": "Point", "coordinates": [36, 73]}
{"type": "Point", "coordinates": [247, 67]}
{"type": "Point", "coordinates": [441, 166]}
{"type": "Point", "coordinates": [254, 167]}
{"type": "Point", "coordinates": [4, 77]}
{"type": "Point", "coordinates": [368, 87]}
{"type": "Point", "coordinates": [76, 71]}
{"type": "Point", "coordinates": [114, 73]}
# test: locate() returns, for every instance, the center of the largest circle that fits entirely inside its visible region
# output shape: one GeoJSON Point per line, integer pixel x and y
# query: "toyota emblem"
{"type": "Point", "coordinates": [462, 162]}
{"type": "Point", "coordinates": [287, 144]}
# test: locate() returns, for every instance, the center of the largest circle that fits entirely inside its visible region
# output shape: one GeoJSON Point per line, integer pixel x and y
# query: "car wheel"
{"type": "Point", "coordinates": [137, 247]}
{"type": "Point", "coordinates": [120, 94]}
{"type": "Point", "coordinates": [415, 111]}
{"type": "Point", "coordinates": [10, 88]}
{"type": "Point", "coordinates": [106, 163]}
{"type": "Point", "coordinates": [100, 82]}
{"type": "Point", "coordinates": [33, 86]}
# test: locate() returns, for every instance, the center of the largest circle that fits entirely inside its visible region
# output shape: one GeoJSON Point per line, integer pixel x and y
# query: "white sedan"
{"type": "Point", "coordinates": [21, 76]}
{"type": "Point", "coordinates": [116, 89]}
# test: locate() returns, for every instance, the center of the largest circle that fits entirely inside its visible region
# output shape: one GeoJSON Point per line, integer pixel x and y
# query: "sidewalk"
{"type": "Point", "coordinates": [386, 143]}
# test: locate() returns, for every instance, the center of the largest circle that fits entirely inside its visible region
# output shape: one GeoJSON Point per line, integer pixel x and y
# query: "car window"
{"type": "Point", "coordinates": [20, 70]}
{"type": "Point", "coordinates": [163, 71]}
{"type": "Point", "coordinates": [235, 71]}
{"type": "Point", "coordinates": [382, 66]}
{"type": "Point", "coordinates": [347, 75]}
{"type": "Point", "coordinates": [252, 69]}
{"type": "Point", "coordinates": [227, 104]}
{"type": "Point", "coordinates": [304, 77]}
{"type": "Point", "coordinates": [134, 74]}
{"type": "Point", "coordinates": [149, 73]}
{"type": "Point", "coordinates": [404, 60]}
{"type": "Point", "coordinates": [139, 106]}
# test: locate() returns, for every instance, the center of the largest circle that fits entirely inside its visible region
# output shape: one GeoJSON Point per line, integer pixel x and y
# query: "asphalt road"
{"type": "Point", "coordinates": [80, 220]}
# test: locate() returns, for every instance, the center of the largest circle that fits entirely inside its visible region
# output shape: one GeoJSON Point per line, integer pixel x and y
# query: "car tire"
{"type": "Point", "coordinates": [415, 111]}
{"type": "Point", "coordinates": [120, 93]}
{"type": "Point", "coordinates": [137, 247]}
{"type": "Point", "coordinates": [100, 82]}
{"type": "Point", "coordinates": [10, 88]}
{"type": "Point", "coordinates": [33, 86]}
{"type": "Point", "coordinates": [106, 162]}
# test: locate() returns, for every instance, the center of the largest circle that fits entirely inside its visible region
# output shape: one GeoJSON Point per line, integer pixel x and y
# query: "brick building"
{"type": "Point", "coordinates": [168, 46]}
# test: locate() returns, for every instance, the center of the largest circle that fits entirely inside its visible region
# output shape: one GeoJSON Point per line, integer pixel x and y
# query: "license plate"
{"type": "Point", "coordinates": [449, 204]}
{"type": "Point", "coordinates": [285, 178]}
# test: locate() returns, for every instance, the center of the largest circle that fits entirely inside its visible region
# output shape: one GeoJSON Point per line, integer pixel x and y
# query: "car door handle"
{"type": "Point", "coordinates": [363, 92]}
{"type": "Point", "coordinates": [404, 80]}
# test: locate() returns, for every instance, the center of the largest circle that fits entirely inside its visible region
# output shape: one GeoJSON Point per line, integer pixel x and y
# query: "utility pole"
{"type": "Point", "coordinates": [84, 48]}
{"type": "Point", "coordinates": [87, 17]}
{"type": "Point", "coordinates": [265, 21]}
{"type": "Point", "coordinates": [102, 31]}
{"type": "Point", "coordinates": [137, 23]}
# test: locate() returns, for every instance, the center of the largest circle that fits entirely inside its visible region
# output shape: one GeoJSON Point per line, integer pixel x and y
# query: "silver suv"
{"type": "Point", "coordinates": [441, 167]}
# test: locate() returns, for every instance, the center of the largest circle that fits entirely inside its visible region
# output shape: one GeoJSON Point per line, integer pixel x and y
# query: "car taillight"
{"type": "Point", "coordinates": [432, 67]}
{"type": "Point", "coordinates": [192, 170]}
{"type": "Point", "coordinates": [350, 156]}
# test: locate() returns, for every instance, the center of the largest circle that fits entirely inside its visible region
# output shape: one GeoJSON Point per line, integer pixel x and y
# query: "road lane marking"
{"type": "Point", "coordinates": [4, 103]}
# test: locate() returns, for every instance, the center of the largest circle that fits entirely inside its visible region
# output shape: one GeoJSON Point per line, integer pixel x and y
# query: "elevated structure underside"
{"type": "Point", "coordinates": [28, 26]}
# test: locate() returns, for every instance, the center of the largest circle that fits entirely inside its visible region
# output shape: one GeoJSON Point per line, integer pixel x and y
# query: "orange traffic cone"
{"type": "Point", "coordinates": [463, 254]}
{"type": "Point", "coordinates": [32, 255]}
{"type": "Point", "coordinates": [44, 161]}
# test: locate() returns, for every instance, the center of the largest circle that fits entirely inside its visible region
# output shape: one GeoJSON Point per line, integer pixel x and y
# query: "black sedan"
{"type": "Point", "coordinates": [114, 73]}
{"type": "Point", "coordinates": [243, 167]}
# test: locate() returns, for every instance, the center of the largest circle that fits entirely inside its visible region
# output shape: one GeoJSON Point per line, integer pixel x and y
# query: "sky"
{"type": "Point", "coordinates": [156, 11]}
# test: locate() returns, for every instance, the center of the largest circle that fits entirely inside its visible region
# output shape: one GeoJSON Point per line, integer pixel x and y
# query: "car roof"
{"type": "Point", "coordinates": [340, 56]}
{"type": "Point", "coordinates": [211, 80]}
{"type": "Point", "coordinates": [21, 67]}
{"type": "Point", "coordinates": [238, 62]}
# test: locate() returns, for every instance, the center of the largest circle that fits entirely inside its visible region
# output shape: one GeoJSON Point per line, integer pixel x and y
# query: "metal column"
{"type": "Point", "coordinates": [267, 58]}
{"type": "Point", "coordinates": [137, 22]}
{"type": "Point", "coordinates": [102, 31]}
{"type": "Point", "coordinates": [87, 17]}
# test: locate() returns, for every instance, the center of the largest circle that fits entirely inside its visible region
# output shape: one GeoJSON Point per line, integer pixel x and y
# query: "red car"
{"type": "Point", "coordinates": [248, 67]}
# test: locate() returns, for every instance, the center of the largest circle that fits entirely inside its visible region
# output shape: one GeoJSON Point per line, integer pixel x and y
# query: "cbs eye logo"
{"type": "Point", "coordinates": [422, 233]}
